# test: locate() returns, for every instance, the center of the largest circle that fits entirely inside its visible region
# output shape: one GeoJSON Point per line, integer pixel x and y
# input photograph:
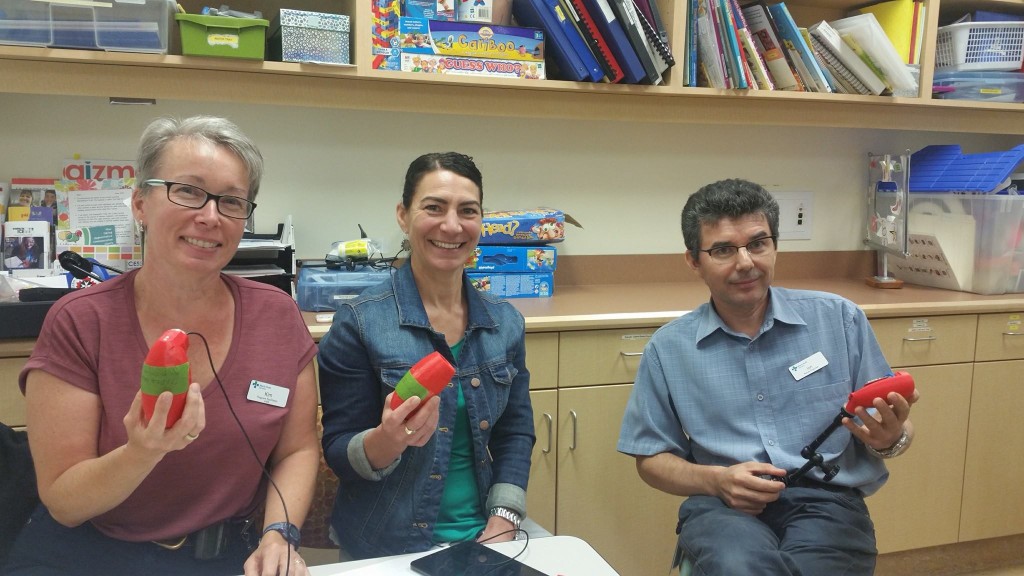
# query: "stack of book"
{"type": "Point", "coordinates": [616, 41]}
{"type": "Point", "coordinates": [31, 213]}
{"type": "Point", "coordinates": [759, 46]}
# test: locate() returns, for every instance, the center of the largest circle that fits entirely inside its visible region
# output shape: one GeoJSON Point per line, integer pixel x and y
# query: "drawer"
{"type": "Point", "coordinates": [1000, 337]}
{"type": "Point", "coordinates": [924, 340]}
{"type": "Point", "coordinates": [542, 359]}
{"type": "Point", "coordinates": [12, 403]}
{"type": "Point", "coordinates": [600, 356]}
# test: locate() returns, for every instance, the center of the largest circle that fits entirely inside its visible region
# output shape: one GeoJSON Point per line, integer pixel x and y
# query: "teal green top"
{"type": "Point", "coordinates": [461, 517]}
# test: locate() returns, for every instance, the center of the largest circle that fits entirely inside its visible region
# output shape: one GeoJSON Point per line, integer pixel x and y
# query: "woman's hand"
{"type": "Point", "coordinates": [407, 426]}
{"type": "Point", "coordinates": [152, 437]}
{"type": "Point", "coordinates": [498, 529]}
{"type": "Point", "coordinates": [272, 558]}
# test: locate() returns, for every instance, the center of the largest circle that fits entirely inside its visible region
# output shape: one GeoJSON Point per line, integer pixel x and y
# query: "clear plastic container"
{"type": "Point", "coordinates": [322, 289]}
{"type": "Point", "coordinates": [113, 25]}
{"type": "Point", "coordinates": [988, 86]}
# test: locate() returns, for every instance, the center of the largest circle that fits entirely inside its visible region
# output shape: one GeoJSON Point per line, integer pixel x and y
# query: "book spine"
{"type": "Point", "coordinates": [770, 48]}
{"type": "Point", "coordinates": [599, 44]}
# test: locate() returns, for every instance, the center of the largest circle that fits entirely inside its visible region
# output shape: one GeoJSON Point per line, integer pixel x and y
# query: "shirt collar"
{"type": "Point", "coordinates": [779, 309]}
{"type": "Point", "coordinates": [410, 305]}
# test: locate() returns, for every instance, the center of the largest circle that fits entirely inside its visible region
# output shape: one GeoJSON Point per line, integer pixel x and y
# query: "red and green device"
{"type": "Point", "coordinates": [426, 378]}
{"type": "Point", "coordinates": [166, 369]}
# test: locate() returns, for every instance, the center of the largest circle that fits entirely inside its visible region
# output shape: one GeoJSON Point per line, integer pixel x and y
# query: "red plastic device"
{"type": "Point", "coordinates": [426, 378]}
{"type": "Point", "coordinates": [166, 369]}
{"type": "Point", "coordinates": [900, 383]}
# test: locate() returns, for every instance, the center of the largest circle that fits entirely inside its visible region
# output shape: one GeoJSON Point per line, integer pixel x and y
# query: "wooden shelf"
{"type": "Point", "coordinates": [30, 70]}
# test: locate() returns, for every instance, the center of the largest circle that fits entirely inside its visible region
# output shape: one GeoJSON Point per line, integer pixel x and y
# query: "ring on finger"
{"type": "Point", "coordinates": [191, 437]}
{"type": "Point", "coordinates": [409, 432]}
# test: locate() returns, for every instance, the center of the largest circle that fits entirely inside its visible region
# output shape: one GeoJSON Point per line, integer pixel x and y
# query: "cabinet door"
{"type": "Point", "coordinates": [1000, 337]}
{"type": "Point", "coordinates": [919, 506]}
{"type": "Point", "coordinates": [920, 341]}
{"type": "Point", "coordinates": [594, 357]}
{"type": "Point", "coordinates": [601, 498]}
{"type": "Point", "coordinates": [993, 504]}
{"type": "Point", "coordinates": [542, 360]}
{"type": "Point", "coordinates": [540, 493]}
{"type": "Point", "coordinates": [12, 403]}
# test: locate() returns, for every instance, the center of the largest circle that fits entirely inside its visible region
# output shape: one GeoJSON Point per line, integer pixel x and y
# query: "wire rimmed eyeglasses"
{"type": "Point", "coordinates": [757, 247]}
{"type": "Point", "coordinates": [191, 196]}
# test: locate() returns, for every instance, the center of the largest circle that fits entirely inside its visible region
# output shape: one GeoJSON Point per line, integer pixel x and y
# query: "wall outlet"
{"type": "Point", "coordinates": [796, 215]}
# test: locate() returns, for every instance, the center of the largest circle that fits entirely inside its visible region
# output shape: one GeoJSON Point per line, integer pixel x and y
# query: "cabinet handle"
{"type": "Point", "coordinates": [547, 418]}
{"type": "Point", "coordinates": [572, 414]}
{"type": "Point", "coordinates": [924, 339]}
{"type": "Point", "coordinates": [629, 354]}
{"type": "Point", "coordinates": [1013, 333]}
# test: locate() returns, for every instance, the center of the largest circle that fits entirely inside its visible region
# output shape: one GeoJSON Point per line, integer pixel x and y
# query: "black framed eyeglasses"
{"type": "Point", "coordinates": [759, 247]}
{"type": "Point", "coordinates": [191, 196]}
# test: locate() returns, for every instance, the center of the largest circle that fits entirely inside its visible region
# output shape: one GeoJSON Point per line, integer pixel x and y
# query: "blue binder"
{"type": "Point", "coordinates": [559, 43]}
{"type": "Point", "coordinates": [617, 40]}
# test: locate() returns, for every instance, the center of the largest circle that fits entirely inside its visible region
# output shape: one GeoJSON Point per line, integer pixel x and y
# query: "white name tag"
{"type": "Point", "coordinates": [808, 365]}
{"type": "Point", "coordinates": [269, 394]}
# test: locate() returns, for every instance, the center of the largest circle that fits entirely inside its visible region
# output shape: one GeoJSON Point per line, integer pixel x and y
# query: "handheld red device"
{"type": "Point", "coordinates": [426, 378]}
{"type": "Point", "coordinates": [166, 369]}
{"type": "Point", "coordinates": [901, 383]}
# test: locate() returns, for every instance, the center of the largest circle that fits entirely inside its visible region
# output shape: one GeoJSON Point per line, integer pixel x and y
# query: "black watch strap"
{"type": "Point", "coordinates": [289, 531]}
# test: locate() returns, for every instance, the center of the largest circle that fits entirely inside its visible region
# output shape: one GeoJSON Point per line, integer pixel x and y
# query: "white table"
{"type": "Point", "coordinates": [554, 555]}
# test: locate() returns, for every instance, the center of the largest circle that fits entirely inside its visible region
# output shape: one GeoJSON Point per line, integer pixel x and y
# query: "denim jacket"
{"type": "Point", "coordinates": [374, 340]}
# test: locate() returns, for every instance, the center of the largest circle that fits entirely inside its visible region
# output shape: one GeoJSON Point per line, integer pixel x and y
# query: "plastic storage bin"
{"type": "Point", "coordinates": [321, 289]}
{"type": "Point", "coordinates": [114, 25]}
{"type": "Point", "coordinates": [980, 46]}
{"type": "Point", "coordinates": [223, 36]}
{"type": "Point", "coordinates": [988, 86]}
{"type": "Point", "coordinates": [979, 236]}
{"type": "Point", "coordinates": [298, 36]}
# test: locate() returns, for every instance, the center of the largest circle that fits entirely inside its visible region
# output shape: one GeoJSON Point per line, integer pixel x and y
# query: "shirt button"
{"type": "Point", "coordinates": [771, 442]}
{"type": "Point", "coordinates": [442, 429]}
{"type": "Point", "coordinates": [475, 382]}
{"type": "Point", "coordinates": [435, 476]}
{"type": "Point", "coordinates": [760, 397]}
{"type": "Point", "coordinates": [421, 525]}
{"type": "Point", "coordinates": [484, 424]}
{"type": "Point", "coordinates": [451, 384]}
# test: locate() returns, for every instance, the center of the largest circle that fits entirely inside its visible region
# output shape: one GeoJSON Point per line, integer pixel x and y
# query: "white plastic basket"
{"type": "Point", "coordinates": [980, 46]}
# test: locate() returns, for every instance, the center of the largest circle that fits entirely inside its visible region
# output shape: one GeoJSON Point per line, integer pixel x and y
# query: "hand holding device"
{"type": "Point", "coordinates": [166, 368]}
{"type": "Point", "coordinates": [426, 378]}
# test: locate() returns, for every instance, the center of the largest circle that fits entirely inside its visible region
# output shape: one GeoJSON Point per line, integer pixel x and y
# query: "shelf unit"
{"type": "Point", "coordinates": [29, 70]}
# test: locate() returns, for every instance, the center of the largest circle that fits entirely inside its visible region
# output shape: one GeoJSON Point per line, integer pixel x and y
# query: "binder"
{"type": "Point", "coordinates": [595, 41]}
{"type": "Point", "coordinates": [615, 35]}
{"type": "Point", "coordinates": [657, 39]}
{"type": "Point", "coordinates": [788, 31]}
{"type": "Point", "coordinates": [576, 41]}
{"type": "Point", "coordinates": [833, 43]}
{"type": "Point", "coordinates": [901, 20]}
{"type": "Point", "coordinates": [625, 12]}
{"type": "Point", "coordinates": [536, 14]}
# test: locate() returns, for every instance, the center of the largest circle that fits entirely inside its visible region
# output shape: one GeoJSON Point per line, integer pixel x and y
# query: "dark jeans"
{"type": "Point", "coordinates": [47, 548]}
{"type": "Point", "coordinates": [806, 532]}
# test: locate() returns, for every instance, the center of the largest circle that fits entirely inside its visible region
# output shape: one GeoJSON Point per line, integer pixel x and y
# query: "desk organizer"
{"type": "Point", "coordinates": [113, 25]}
{"type": "Point", "coordinates": [299, 36]}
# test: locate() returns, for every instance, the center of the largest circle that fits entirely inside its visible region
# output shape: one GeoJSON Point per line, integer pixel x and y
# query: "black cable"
{"type": "Point", "coordinates": [526, 543]}
{"type": "Point", "coordinates": [266, 473]}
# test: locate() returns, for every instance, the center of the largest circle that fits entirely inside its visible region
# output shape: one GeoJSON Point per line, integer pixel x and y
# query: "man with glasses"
{"type": "Point", "coordinates": [727, 396]}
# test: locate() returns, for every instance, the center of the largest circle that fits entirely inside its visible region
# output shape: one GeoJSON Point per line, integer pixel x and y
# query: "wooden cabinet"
{"type": "Point", "coordinates": [33, 70]}
{"type": "Point", "coordinates": [12, 403]}
{"type": "Point", "coordinates": [541, 491]}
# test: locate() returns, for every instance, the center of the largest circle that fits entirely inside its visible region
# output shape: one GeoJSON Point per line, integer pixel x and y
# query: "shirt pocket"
{"type": "Point", "coordinates": [820, 405]}
{"type": "Point", "coordinates": [501, 376]}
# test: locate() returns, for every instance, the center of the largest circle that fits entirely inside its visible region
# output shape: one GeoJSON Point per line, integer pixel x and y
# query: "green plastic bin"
{"type": "Point", "coordinates": [222, 36]}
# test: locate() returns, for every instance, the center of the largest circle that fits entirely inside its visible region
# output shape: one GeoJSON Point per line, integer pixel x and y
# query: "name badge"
{"type": "Point", "coordinates": [808, 365]}
{"type": "Point", "coordinates": [269, 394]}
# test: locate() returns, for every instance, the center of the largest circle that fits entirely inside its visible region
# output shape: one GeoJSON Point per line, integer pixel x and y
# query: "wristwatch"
{"type": "Point", "coordinates": [289, 531]}
{"type": "Point", "coordinates": [895, 450]}
{"type": "Point", "coordinates": [508, 514]}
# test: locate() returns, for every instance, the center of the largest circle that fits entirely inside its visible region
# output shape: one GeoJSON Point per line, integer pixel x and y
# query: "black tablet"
{"type": "Point", "coordinates": [470, 559]}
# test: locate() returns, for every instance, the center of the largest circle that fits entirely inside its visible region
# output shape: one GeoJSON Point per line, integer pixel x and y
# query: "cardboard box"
{"type": "Point", "coordinates": [470, 40]}
{"type": "Point", "coordinates": [222, 36]}
{"type": "Point", "coordinates": [321, 289]}
{"type": "Point", "coordinates": [523, 227]}
{"type": "Point", "coordinates": [521, 285]}
{"type": "Point", "coordinates": [485, 12]}
{"type": "Point", "coordinates": [434, 64]}
{"type": "Point", "coordinates": [512, 259]}
{"type": "Point", "coordinates": [431, 9]}
{"type": "Point", "coordinates": [384, 35]}
{"type": "Point", "coordinates": [299, 36]}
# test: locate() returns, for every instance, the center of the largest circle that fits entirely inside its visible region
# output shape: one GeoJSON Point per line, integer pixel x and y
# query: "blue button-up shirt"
{"type": "Point", "coordinates": [372, 343]}
{"type": "Point", "coordinates": [715, 396]}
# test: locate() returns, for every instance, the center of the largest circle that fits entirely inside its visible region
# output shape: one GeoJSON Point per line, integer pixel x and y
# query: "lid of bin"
{"type": "Point", "coordinates": [945, 168]}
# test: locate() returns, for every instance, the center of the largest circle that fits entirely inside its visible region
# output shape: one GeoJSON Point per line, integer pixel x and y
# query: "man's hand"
{"type": "Point", "coordinates": [741, 489]}
{"type": "Point", "coordinates": [883, 428]}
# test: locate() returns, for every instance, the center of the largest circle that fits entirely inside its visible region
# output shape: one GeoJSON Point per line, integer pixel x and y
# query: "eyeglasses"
{"type": "Point", "coordinates": [191, 196]}
{"type": "Point", "coordinates": [759, 247]}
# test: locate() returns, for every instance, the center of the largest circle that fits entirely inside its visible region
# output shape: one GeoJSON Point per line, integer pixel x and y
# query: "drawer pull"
{"type": "Point", "coordinates": [572, 414]}
{"type": "Point", "coordinates": [630, 354]}
{"type": "Point", "coordinates": [1013, 333]}
{"type": "Point", "coordinates": [547, 419]}
{"type": "Point", "coordinates": [923, 339]}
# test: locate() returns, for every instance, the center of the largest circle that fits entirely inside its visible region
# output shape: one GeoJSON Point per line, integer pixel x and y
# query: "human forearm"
{"type": "Point", "coordinates": [295, 477]}
{"type": "Point", "coordinates": [674, 475]}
